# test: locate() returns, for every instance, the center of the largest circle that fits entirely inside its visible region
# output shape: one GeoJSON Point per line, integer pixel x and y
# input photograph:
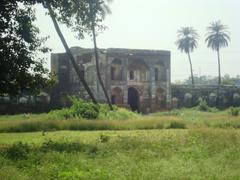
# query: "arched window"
{"type": "Point", "coordinates": [113, 72]}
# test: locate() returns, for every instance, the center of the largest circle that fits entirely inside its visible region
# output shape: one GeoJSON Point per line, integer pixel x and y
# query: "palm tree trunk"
{"type": "Point", "coordinates": [219, 78]}
{"type": "Point", "coordinates": [69, 53]}
{"type": "Point", "coordinates": [97, 61]}
{"type": "Point", "coordinates": [190, 62]}
{"type": "Point", "coordinates": [219, 68]}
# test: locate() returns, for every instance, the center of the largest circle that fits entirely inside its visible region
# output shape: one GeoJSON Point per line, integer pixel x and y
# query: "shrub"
{"type": "Point", "coordinates": [104, 138]}
{"type": "Point", "coordinates": [234, 111]}
{"type": "Point", "coordinates": [86, 110]}
{"type": "Point", "coordinates": [203, 106]}
{"type": "Point", "coordinates": [117, 113]}
{"type": "Point", "coordinates": [79, 109]}
{"type": "Point", "coordinates": [17, 151]}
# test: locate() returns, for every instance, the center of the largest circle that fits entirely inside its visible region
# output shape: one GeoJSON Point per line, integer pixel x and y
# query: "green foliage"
{"type": "Point", "coordinates": [65, 147]}
{"type": "Point", "coordinates": [173, 112]}
{"type": "Point", "coordinates": [234, 111]}
{"type": "Point", "coordinates": [79, 109]}
{"type": "Point", "coordinates": [87, 110]}
{"type": "Point", "coordinates": [17, 151]}
{"type": "Point", "coordinates": [177, 125]}
{"type": "Point", "coordinates": [117, 113]}
{"type": "Point", "coordinates": [190, 117]}
{"type": "Point", "coordinates": [203, 106]}
{"type": "Point", "coordinates": [20, 70]}
{"type": "Point", "coordinates": [104, 138]}
{"type": "Point", "coordinates": [147, 154]}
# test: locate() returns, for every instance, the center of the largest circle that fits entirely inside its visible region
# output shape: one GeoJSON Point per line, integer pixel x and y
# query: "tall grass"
{"type": "Point", "coordinates": [75, 124]}
{"type": "Point", "coordinates": [121, 119]}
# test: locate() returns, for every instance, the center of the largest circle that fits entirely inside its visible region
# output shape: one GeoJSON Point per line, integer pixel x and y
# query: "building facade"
{"type": "Point", "coordinates": [136, 79]}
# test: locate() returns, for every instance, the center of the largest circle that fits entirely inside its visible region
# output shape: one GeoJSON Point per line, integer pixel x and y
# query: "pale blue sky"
{"type": "Point", "coordinates": [152, 24]}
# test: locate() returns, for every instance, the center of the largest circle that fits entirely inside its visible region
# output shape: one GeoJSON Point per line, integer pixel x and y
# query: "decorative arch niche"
{"type": "Point", "coordinates": [116, 69]}
{"type": "Point", "coordinates": [117, 96]}
{"type": "Point", "coordinates": [161, 98]}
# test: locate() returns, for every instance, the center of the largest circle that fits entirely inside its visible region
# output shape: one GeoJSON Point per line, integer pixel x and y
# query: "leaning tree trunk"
{"type": "Point", "coordinates": [190, 62]}
{"type": "Point", "coordinates": [97, 60]}
{"type": "Point", "coordinates": [69, 53]}
{"type": "Point", "coordinates": [193, 84]}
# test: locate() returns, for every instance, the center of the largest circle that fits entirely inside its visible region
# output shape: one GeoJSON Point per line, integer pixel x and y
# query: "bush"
{"type": "Point", "coordinates": [234, 111]}
{"type": "Point", "coordinates": [17, 151]}
{"type": "Point", "coordinates": [104, 138]}
{"type": "Point", "coordinates": [86, 110]}
{"type": "Point", "coordinates": [79, 109]}
{"type": "Point", "coordinates": [203, 106]}
{"type": "Point", "coordinates": [117, 113]}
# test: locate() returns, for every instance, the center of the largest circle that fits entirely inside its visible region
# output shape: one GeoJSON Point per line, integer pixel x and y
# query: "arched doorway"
{"type": "Point", "coordinates": [133, 99]}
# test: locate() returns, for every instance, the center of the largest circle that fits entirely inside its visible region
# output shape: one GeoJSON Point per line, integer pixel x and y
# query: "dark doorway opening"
{"type": "Point", "coordinates": [113, 99]}
{"type": "Point", "coordinates": [133, 99]}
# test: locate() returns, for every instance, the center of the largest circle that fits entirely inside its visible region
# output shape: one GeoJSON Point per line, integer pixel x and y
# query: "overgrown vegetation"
{"type": "Point", "coordinates": [205, 142]}
{"type": "Point", "coordinates": [148, 154]}
{"type": "Point", "coordinates": [81, 109]}
{"type": "Point", "coordinates": [122, 119]}
{"type": "Point", "coordinates": [203, 106]}
{"type": "Point", "coordinates": [234, 111]}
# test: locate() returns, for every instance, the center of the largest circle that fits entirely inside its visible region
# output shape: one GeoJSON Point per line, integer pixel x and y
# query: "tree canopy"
{"type": "Point", "coordinates": [187, 39]}
{"type": "Point", "coordinates": [217, 36]}
{"type": "Point", "coordinates": [20, 69]}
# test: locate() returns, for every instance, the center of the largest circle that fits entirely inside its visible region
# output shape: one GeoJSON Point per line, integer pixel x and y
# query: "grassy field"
{"type": "Point", "coordinates": [185, 144]}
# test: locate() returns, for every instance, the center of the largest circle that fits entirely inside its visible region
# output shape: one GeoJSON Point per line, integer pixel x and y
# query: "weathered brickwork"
{"type": "Point", "coordinates": [137, 79]}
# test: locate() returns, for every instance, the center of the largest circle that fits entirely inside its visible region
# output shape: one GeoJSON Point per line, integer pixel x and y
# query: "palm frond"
{"type": "Point", "coordinates": [187, 39]}
{"type": "Point", "coordinates": [217, 36]}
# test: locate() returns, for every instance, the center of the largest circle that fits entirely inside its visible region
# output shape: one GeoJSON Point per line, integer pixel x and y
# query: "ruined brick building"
{"type": "Point", "coordinates": [138, 79]}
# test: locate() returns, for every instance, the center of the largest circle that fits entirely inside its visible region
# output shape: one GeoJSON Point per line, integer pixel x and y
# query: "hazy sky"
{"type": "Point", "coordinates": [152, 24]}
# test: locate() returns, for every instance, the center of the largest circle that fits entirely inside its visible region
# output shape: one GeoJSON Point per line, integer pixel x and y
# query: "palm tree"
{"type": "Point", "coordinates": [105, 9]}
{"type": "Point", "coordinates": [187, 42]}
{"type": "Point", "coordinates": [69, 53]}
{"type": "Point", "coordinates": [217, 38]}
